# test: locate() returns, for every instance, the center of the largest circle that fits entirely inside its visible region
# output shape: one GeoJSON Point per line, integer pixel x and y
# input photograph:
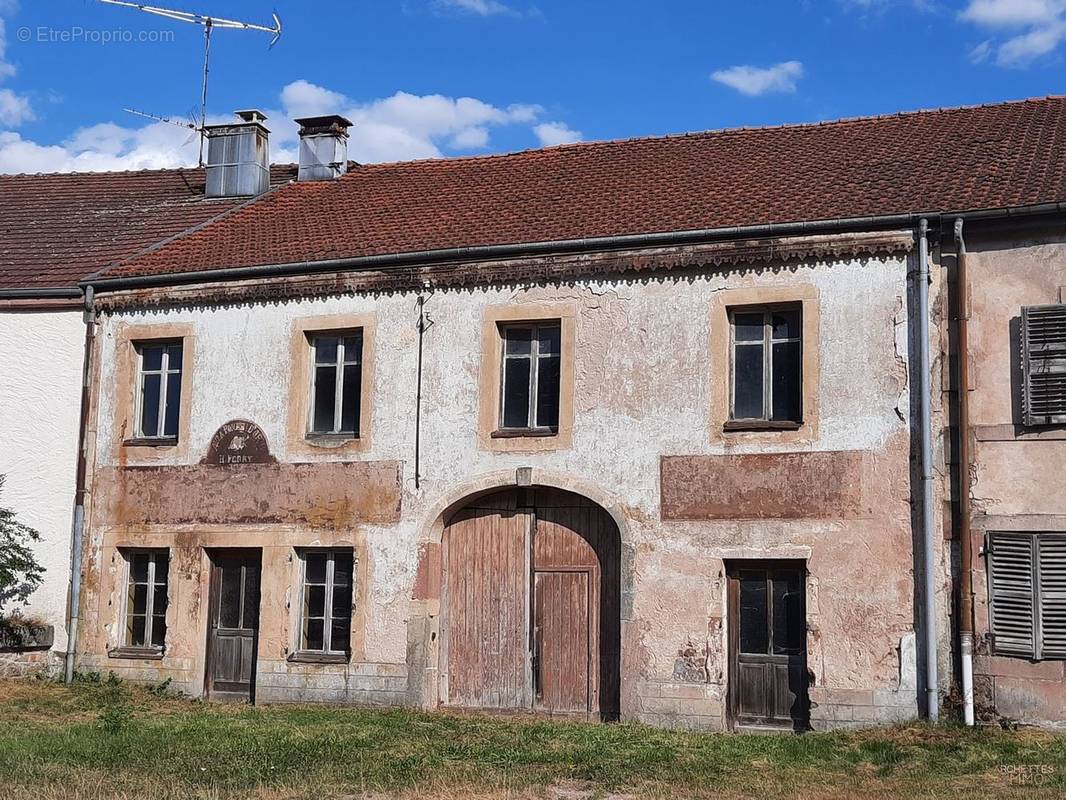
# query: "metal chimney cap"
{"type": "Point", "coordinates": [330, 123]}
{"type": "Point", "coordinates": [251, 115]}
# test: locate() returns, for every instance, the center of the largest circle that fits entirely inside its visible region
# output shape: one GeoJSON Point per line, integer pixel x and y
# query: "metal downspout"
{"type": "Point", "coordinates": [965, 543]}
{"type": "Point", "coordinates": [926, 436]}
{"type": "Point", "coordinates": [77, 533]}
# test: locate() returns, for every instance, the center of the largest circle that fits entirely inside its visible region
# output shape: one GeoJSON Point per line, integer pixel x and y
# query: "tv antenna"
{"type": "Point", "coordinates": [209, 23]}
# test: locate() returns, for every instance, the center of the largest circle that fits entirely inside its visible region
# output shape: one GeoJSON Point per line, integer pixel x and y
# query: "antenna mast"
{"type": "Point", "coordinates": [209, 23]}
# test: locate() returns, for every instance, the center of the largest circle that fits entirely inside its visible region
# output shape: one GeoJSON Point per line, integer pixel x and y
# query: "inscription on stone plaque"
{"type": "Point", "coordinates": [239, 442]}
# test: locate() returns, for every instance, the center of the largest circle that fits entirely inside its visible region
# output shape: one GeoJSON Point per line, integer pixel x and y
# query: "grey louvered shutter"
{"type": "Point", "coordinates": [1044, 365]}
{"type": "Point", "coordinates": [1011, 562]}
{"type": "Point", "coordinates": [1051, 592]}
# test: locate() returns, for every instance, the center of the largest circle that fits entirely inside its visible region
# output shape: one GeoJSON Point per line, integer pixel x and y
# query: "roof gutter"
{"type": "Point", "coordinates": [390, 261]}
{"type": "Point", "coordinates": [40, 294]}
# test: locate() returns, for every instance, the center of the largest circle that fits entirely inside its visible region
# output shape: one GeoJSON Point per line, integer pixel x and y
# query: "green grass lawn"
{"type": "Point", "coordinates": [108, 739]}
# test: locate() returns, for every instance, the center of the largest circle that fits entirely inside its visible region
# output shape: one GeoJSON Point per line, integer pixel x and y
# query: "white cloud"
{"type": "Point", "coordinates": [403, 126]}
{"type": "Point", "coordinates": [1032, 28]}
{"type": "Point", "coordinates": [483, 8]}
{"type": "Point", "coordinates": [552, 133]}
{"type": "Point", "coordinates": [755, 81]}
{"type": "Point", "coordinates": [14, 108]}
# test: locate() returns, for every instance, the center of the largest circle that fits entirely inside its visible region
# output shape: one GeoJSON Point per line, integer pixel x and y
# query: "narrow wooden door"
{"type": "Point", "coordinates": [561, 643]}
{"type": "Point", "coordinates": [768, 622]}
{"type": "Point", "coordinates": [233, 625]}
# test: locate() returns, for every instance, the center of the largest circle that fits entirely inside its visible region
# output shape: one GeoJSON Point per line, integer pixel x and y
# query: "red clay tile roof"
{"type": "Point", "coordinates": [951, 160]}
{"type": "Point", "coordinates": [56, 229]}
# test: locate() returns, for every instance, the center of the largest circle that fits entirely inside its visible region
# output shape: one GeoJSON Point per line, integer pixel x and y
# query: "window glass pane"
{"type": "Point", "coordinates": [518, 341]}
{"type": "Point", "coordinates": [350, 399]}
{"type": "Point", "coordinates": [159, 630]}
{"type": "Point", "coordinates": [748, 381]}
{"type": "Point", "coordinates": [549, 340]}
{"type": "Point", "coordinates": [251, 597]}
{"type": "Point", "coordinates": [315, 600]}
{"type": "Point", "coordinates": [313, 634]}
{"type": "Point", "coordinates": [139, 567]}
{"type": "Point", "coordinates": [342, 569]}
{"type": "Point", "coordinates": [173, 404]}
{"type": "Point", "coordinates": [159, 600]}
{"type": "Point", "coordinates": [754, 631]}
{"type": "Point", "coordinates": [790, 622]}
{"type": "Point", "coordinates": [340, 635]}
{"type": "Point", "coordinates": [229, 611]}
{"type": "Point", "coordinates": [174, 356]}
{"type": "Point", "coordinates": [326, 349]}
{"type": "Point", "coordinates": [136, 631]}
{"type": "Point", "coordinates": [316, 568]}
{"type": "Point", "coordinates": [162, 566]}
{"type": "Point", "coordinates": [151, 357]}
{"type": "Point", "coordinates": [516, 393]}
{"type": "Point", "coordinates": [788, 381]}
{"type": "Point", "coordinates": [325, 399]}
{"type": "Point", "coordinates": [548, 392]}
{"type": "Point", "coordinates": [342, 602]}
{"type": "Point", "coordinates": [353, 348]}
{"type": "Point", "coordinates": [786, 324]}
{"type": "Point", "coordinates": [139, 598]}
{"type": "Point", "coordinates": [748, 327]}
{"type": "Point", "coordinates": [150, 405]}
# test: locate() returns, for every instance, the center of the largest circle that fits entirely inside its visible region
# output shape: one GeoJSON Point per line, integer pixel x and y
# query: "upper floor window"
{"type": "Point", "coordinates": [146, 598]}
{"type": "Point", "coordinates": [336, 383]}
{"type": "Point", "coordinates": [326, 610]}
{"type": "Point", "coordinates": [1044, 365]}
{"type": "Point", "coordinates": [767, 366]}
{"type": "Point", "coordinates": [529, 388]}
{"type": "Point", "coordinates": [159, 389]}
{"type": "Point", "coordinates": [1027, 594]}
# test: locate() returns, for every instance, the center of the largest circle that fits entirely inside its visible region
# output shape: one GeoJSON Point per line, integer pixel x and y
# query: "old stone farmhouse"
{"type": "Point", "coordinates": [750, 429]}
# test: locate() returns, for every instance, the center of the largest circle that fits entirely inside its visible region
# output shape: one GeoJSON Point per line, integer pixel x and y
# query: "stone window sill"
{"type": "Point", "coordinates": [742, 425]}
{"type": "Point", "coordinates": [150, 653]}
{"type": "Point", "coordinates": [524, 433]}
{"type": "Point", "coordinates": [153, 441]}
{"type": "Point", "coordinates": [330, 439]}
{"type": "Point", "coordinates": [305, 657]}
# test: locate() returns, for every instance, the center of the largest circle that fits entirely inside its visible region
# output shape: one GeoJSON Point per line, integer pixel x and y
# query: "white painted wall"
{"type": "Point", "coordinates": [40, 399]}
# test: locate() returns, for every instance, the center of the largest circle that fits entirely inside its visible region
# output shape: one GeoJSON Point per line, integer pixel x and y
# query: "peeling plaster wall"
{"type": "Point", "coordinates": [40, 400]}
{"type": "Point", "coordinates": [642, 390]}
{"type": "Point", "coordinates": [1018, 481]}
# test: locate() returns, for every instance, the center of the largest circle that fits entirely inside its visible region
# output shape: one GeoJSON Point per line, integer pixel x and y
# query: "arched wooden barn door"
{"type": "Point", "coordinates": [531, 611]}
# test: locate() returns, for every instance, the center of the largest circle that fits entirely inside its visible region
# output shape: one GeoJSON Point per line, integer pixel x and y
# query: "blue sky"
{"type": "Point", "coordinates": [424, 78]}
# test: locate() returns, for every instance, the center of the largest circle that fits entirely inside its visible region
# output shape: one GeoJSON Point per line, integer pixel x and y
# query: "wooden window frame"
{"type": "Point", "coordinates": [327, 653]}
{"type": "Point", "coordinates": [336, 434]}
{"type": "Point", "coordinates": [764, 422]}
{"type": "Point", "coordinates": [164, 373]}
{"type": "Point", "coordinates": [126, 647]}
{"type": "Point", "coordinates": [534, 357]}
{"type": "Point", "coordinates": [1040, 598]}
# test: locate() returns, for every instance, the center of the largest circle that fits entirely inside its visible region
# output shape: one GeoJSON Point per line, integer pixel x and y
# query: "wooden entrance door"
{"type": "Point", "coordinates": [530, 605]}
{"type": "Point", "coordinates": [768, 643]}
{"type": "Point", "coordinates": [233, 624]}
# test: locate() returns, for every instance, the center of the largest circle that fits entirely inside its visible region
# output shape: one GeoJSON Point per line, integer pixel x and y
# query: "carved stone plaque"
{"type": "Point", "coordinates": [239, 442]}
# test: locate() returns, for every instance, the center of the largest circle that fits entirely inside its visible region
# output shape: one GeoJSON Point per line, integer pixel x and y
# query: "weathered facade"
{"type": "Point", "coordinates": [1017, 485]}
{"type": "Point", "coordinates": [642, 435]}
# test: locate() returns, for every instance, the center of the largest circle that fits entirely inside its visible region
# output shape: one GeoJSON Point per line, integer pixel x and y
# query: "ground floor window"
{"type": "Point", "coordinates": [326, 607]}
{"type": "Point", "coordinates": [146, 598]}
{"type": "Point", "coordinates": [1027, 594]}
